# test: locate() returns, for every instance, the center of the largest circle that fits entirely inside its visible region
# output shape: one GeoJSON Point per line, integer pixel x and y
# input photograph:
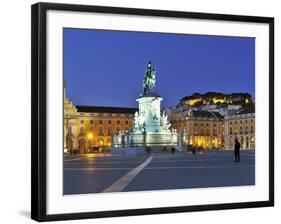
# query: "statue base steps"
{"type": "Point", "coordinates": [153, 139]}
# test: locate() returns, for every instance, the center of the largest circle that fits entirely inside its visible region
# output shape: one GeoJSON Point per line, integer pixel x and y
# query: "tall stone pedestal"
{"type": "Point", "coordinates": [149, 109]}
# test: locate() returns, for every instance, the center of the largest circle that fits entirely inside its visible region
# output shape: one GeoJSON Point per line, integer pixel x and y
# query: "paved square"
{"type": "Point", "coordinates": [105, 172]}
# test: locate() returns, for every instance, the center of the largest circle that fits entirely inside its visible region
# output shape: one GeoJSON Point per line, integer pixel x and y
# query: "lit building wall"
{"type": "Point", "coordinates": [191, 102]}
{"type": "Point", "coordinates": [86, 127]}
{"type": "Point", "coordinates": [89, 130]}
{"type": "Point", "coordinates": [241, 126]}
{"type": "Point", "coordinates": [202, 129]}
{"type": "Point", "coordinates": [215, 100]}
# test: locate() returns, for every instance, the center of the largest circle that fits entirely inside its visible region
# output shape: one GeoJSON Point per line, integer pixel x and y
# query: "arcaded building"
{"type": "Point", "coordinates": [88, 127]}
{"type": "Point", "coordinates": [203, 128]}
{"type": "Point", "coordinates": [242, 126]}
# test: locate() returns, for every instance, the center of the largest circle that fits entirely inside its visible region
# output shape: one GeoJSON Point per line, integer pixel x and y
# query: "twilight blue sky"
{"type": "Point", "coordinates": [106, 68]}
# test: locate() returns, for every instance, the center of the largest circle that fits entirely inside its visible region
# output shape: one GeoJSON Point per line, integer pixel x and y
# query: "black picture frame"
{"type": "Point", "coordinates": [38, 110]}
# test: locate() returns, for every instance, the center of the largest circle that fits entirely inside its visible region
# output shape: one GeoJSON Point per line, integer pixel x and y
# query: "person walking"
{"type": "Point", "coordinates": [237, 150]}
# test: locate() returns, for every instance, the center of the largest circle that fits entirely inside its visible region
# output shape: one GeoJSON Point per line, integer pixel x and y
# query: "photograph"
{"type": "Point", "coordinates": [153, 111]}
{"type": "Point", "coordinates": [139, 111]}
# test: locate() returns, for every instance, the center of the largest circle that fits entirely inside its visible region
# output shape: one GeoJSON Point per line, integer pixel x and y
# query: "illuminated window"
{"type": "Point", "coordinates": [100, 131]}
{"type": "Point", "coordinates": [109, 132]}
{"type": "Point", "coordinates": [252, 129]}
{"type": "Point", "coordinates": [91, 129]}
{"type": "Point", "coordinates": [100, 121]}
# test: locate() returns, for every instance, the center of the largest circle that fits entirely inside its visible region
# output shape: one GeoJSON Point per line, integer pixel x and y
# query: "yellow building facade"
{"type": "Point", "coordinates": [89, 127]}
{"type": "Point", "coordinates": [204, 129]}
{"type": "Point", "coordinates": [210, 130]}
{"type": "Point", "coordinates": [242, 126]}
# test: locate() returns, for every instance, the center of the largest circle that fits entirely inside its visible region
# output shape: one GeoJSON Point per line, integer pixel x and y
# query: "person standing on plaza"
{"type": "Point", "coordinates": [237, 150]}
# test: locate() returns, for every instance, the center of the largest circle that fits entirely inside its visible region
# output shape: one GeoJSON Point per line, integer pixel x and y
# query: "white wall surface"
{"type": "Point", "coordinates": [15, 110]}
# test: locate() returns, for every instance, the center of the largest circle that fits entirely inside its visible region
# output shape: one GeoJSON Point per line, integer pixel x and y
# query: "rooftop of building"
{"type": "Point", "coordinates": [207, 114]}
{"type": "Point", "coordinates": [103, 109]}
{"type": "Point", "coordinates": [249, 110]}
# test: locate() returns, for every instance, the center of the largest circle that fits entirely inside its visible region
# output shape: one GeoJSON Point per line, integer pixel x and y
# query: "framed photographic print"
{"type": "Point", "coordinates": [139, 111]}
